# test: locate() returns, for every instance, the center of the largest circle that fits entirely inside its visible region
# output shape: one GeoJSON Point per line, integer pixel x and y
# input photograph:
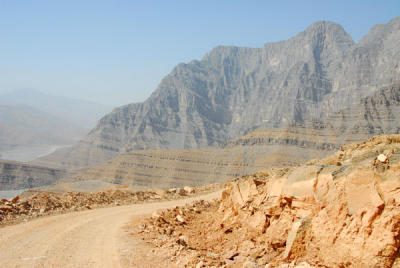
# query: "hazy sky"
{"type": "Point", "coordinates": [116, 52]}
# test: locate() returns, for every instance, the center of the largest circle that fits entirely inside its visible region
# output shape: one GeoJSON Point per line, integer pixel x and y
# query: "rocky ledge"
{"type": "Point", "coordinates": [341, 211]}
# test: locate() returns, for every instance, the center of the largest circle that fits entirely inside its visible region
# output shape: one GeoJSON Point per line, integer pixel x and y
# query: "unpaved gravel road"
{"type": "Point", "coordinates": [92, 238]}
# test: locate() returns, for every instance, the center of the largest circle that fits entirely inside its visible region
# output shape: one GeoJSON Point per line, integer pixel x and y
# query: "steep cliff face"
{"type": "Point", "coordinates": [371, 115]}
{"type": "Point", "coordinates": [17, 175]}
{"type": "Point", "coordinates": [233, 91]}
{"type": "Point", "coordinates": [256, 151]}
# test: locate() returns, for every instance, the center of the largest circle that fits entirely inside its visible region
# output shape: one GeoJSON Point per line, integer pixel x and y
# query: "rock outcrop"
{"type": "Point", "coordinates": [234, 90]}
{"type": "Point", "coordinates": [341, 211]}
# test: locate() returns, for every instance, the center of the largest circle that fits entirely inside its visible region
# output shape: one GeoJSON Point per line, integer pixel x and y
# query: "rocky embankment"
{"type": "Point", "coordinates": [341, 211]}
{"type": "Point", "coordinates": [32, 203]}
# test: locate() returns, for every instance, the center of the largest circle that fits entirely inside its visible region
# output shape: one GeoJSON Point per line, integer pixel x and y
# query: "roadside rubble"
{"type": "Point", "coordinates": [34, 203]}
{"type": "Point", "coordinates": [321, 214]}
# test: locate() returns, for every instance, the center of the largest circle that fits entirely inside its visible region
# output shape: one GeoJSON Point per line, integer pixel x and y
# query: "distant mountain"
{"type": "Point", "coordinates": [25, 126]}
{"type": "Point", "coordinates": [235, 90]}
{"type": "Point", "coordinates": [84, 114]}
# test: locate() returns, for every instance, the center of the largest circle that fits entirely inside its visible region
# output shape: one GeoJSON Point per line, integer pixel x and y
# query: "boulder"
{"type": "Point", "coordinates": [189, 190]}
{"type": "Point", "coordinates": [258, 222]}
{"type": "Point", "coordinates": [161, 193]}
{"type": "Point", "coordinates": [180, 219]}
{"type": "Point", "coordinates": [181, 191]}
{"type": "Point", "coordinates": [15, 199]}
{"type": "Point", "coordinates": [382, 158]}
{"type": "Point", "coordinates": [172, 190]}
{"type": "Point", "coordinates": [296, 236]}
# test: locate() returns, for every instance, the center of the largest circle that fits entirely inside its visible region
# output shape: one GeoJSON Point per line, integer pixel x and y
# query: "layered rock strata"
{"type": "Point", "coordinates": [18, 175]}
{"type": "Point", "coordinates": [176, 168]}
{"type": "Point", "coordinates": [256, 151]}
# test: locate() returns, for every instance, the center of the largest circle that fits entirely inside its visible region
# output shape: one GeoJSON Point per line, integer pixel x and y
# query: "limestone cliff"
{"type": "Point", "coordinates": [256, 151]}
{"type": "Point", "coordinates": [234, 90]}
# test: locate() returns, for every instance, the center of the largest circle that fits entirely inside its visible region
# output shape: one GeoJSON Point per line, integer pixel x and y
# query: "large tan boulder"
{"type": "Point", "coordinates": [242, 191]}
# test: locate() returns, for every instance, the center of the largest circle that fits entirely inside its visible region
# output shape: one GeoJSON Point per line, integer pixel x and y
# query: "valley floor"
{"type": "Point", "coordinates": [92, 238]}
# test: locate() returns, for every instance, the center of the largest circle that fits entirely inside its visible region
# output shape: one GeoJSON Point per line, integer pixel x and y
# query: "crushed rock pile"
{"type": "Point", "coordinates": [33, 203]}
{"type": "Point", "coordinates": [342, 211]}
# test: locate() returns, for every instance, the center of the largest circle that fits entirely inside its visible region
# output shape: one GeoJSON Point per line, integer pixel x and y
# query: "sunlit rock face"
{"type": "Point", "coordinates": [339, 211]}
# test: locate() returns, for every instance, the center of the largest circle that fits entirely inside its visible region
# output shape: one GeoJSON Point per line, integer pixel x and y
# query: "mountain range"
{"type": "Point", "coordinates": [233, 91]}
{"type": "Point", "coordinates": [33, 124]}
{"type": "Point", "coordinates": [26, 132]}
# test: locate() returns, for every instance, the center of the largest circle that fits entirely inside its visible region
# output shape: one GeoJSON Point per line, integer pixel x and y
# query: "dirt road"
{"type": "Point", "coordinates": [93, 238]}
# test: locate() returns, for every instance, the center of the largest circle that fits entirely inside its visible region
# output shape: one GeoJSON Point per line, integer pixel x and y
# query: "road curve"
{"type": "Point", "coordinates": [79, 239]}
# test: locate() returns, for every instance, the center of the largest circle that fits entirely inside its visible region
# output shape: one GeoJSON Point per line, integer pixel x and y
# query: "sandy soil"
{"type": "Point", "coordinates": [94, 238]}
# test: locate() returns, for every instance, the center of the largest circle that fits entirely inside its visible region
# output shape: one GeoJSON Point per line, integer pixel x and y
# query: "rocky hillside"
{"type": "Point", "coordinates": [17, 175]}
{"type": "Point", "coordinates": [256, 151]}
{"type": "Point", "coordinates": [341, 211]}
{"type": "Point", "coordinates": [234, 90]}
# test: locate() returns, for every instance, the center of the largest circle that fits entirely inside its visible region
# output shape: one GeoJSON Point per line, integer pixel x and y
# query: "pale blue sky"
{"type": "Point", "coordinates": [117, 51]}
